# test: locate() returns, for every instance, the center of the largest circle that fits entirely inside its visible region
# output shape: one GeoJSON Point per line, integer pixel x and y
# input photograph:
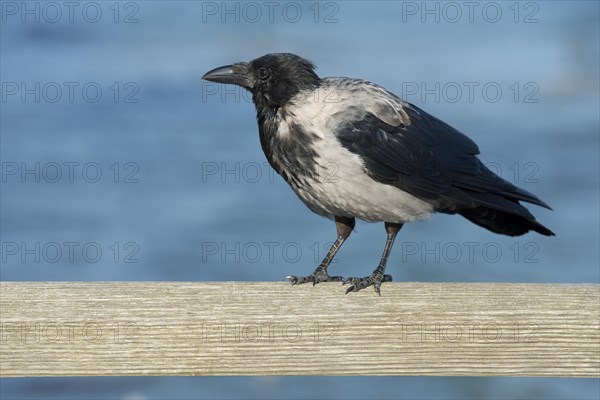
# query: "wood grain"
{"type": "Point", "coordinates": [266, 328]}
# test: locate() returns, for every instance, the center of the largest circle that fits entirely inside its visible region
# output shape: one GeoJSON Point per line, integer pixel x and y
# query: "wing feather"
{"type": "Point", "coordinates": [430, 159]}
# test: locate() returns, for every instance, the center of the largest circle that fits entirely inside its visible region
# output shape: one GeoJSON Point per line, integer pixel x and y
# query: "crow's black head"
{"type": "Point", "coordinates": [273, 79]}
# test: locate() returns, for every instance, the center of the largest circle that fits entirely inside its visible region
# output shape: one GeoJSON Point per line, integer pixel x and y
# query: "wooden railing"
{"type": "Point", "coordinates": [260, 328]}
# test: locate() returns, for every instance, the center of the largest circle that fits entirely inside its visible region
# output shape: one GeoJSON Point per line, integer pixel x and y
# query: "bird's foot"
{"type": "Point", "coordinates": [375, 279]}
{"type": "Point", "coordinates": [319, 275]}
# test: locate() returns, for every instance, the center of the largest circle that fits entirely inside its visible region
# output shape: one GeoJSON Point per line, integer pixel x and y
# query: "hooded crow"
{"type": "Point", "coordinates": [350, 149]}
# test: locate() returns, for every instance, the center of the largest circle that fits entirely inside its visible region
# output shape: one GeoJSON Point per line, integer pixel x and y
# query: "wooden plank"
{"type": "Point", "coordinates": [266, 328]}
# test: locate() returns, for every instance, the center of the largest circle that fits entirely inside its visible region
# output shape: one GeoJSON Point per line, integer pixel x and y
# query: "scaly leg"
{"type": "Point", "coordinates": [344, 226]}
{"type": "Point", "coordinates": [378, 276]}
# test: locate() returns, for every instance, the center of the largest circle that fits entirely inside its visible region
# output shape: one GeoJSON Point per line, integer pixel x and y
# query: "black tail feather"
{"type": "Point", "coordinates": [503, 222]}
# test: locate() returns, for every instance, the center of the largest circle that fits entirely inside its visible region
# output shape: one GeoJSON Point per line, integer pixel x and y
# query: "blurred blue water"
{"type": "Point", "coordinates": [185, 190]}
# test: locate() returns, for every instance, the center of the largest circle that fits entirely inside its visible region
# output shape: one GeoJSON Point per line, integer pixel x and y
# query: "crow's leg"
{"type": "Point", "coordinates": [344, 226]}
{"type": "Point", "coordinates": [378, 276]}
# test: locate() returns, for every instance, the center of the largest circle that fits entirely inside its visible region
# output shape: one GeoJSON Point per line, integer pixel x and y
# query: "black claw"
{"type": "Point", "coordinates": [377, 288]}
{"type": "Point", "coordinates": [375, 279]}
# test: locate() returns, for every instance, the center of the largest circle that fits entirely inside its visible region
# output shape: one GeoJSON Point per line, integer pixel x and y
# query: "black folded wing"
{"type": "Point", "coordinates": [436, 163]}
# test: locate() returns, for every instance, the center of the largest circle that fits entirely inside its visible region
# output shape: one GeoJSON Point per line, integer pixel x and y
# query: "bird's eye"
{"type": "Point", "coordinates": [263, 73]}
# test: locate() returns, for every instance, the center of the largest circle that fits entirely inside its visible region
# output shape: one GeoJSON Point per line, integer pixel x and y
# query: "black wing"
{"type": "Point", "coordinates": [433, 161]}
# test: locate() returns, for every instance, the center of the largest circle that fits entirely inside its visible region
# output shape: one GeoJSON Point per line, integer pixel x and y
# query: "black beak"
{"type": "Point", "coordinates": [236, 74]}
